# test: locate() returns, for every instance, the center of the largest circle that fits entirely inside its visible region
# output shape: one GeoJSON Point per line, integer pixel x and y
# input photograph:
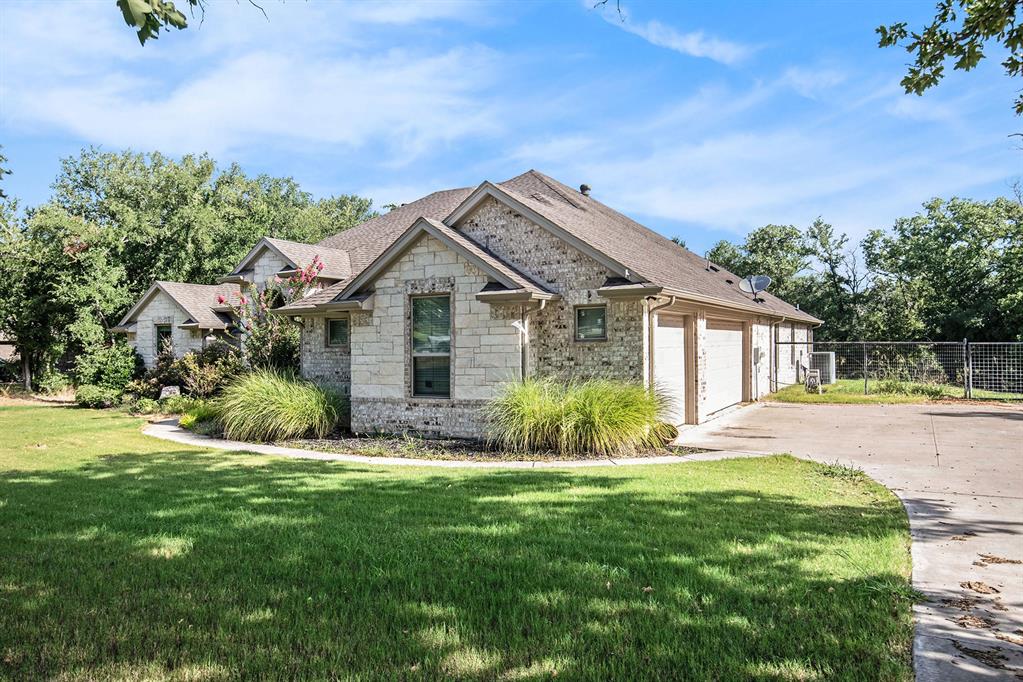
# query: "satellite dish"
{"type": "Point", "coordinates": [755, 284]}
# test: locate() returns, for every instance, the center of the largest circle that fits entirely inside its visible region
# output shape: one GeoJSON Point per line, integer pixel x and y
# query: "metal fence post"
{"type": "Point", "coordinates": [968, 368]}
{"type": "Point", "coordinates": [864, 368]}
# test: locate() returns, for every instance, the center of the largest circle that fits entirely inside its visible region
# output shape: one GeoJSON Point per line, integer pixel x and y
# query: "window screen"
{"type": "Point", "coordinates": [591, 323]}
{"type": "Point", "coordinates": [337, 332]}
{"type": "Point", "coordinates": [431, 346]}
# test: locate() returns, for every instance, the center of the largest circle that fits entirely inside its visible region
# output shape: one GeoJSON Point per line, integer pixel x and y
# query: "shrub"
{"type": "Point", "coordinates": [896, 387]}
{"type": "Point", "coordinates": [267, 406]}
{"type": "Point", "coordinates": [178, 404]}
{"type": "Point", "coordinates": [110, 366]}
{"type": "Point", "coordinates": [596, 417]}
{"type": "Point", "coordinates": [206, 372]}
{"type": "Point", "coordinates": [144, 406]}
{"type": "Point", "coordinates": [202, 418]}
{"type": "Point", "coordinates": [52, 381]}
{"type": "Point", "coordinates": [165, 372]}
{"type": "Point", "coordinates": [89, 395]}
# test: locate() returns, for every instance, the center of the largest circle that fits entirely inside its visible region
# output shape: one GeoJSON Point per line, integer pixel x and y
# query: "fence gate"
{"type": "Point", "coordinates": [954, 369]}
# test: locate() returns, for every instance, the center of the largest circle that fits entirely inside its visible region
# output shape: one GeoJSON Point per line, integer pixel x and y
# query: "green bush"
{"type": "Point", "coordinates": [268, 406]}
{"type": "Point", "coordinates": [202, 418]}
{"type": "Point", "coordinates": [52, 381]}
{"type": "Point", "coordinates": [596, 417]}
{"type": "Point", "coordinates": [178, 404]}
{"type": "Point", "coordinates": [144, 406]}
{"type": "Point", "coordinates": [112, 366]}
{"type": "Point", "coordinates": [896, 387]}
{"type": "Point", "coordinates": [89, 395]}
{"type": "Point", "coordinates": [165, 372]}
{"type": "Point", "coordinates": [206, 372]}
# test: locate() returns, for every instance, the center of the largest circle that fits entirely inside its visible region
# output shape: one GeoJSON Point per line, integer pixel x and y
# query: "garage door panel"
{"type": "Point", "coordinates": [724, 365]}
{"type": "Point", "coordinates": [670, 365]}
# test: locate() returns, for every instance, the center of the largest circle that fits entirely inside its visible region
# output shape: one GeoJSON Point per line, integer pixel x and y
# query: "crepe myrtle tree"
{"type": "Point", "coordinates": [271, 341]}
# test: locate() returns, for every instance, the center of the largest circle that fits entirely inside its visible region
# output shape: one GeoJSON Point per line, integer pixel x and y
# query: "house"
{"type": "Point", "coordinates": [450, 296]}
{"type": "Point", "coordinates": [183, 316]}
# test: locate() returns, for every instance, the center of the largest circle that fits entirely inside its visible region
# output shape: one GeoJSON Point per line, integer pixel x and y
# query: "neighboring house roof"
{"type": "Point", "coordinates": [197, 300]}
{"type": "Point", "coordinates": [336, 263]}
{"type": "Point", "coordinates": [640, 256]}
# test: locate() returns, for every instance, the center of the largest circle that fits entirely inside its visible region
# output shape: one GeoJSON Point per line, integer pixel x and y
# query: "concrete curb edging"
{"type": "Point", "coordinates": [170, 431]}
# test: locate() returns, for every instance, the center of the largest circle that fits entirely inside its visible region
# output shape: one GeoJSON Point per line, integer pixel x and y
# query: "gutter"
{"type": "Point", "coordinates": [735, 306]}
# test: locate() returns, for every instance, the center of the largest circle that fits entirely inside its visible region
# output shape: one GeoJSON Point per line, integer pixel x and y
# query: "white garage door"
{"type": "Point", "coordinates": [724, 365]}
{"type": "Point", "coordinates": [670, 365]}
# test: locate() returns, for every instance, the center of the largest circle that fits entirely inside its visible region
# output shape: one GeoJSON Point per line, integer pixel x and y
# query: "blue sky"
{"type": "Point", "coordinates": [703, 120]}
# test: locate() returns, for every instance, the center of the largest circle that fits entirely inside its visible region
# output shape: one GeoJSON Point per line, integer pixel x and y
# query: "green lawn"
{"type": "Point", "coordinates": [128, 557]}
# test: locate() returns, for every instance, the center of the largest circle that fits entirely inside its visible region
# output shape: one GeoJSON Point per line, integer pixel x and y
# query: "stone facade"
{"type": "Point", "coordinates": [485, 347]}
{"type": "Point", "coordinates": [266, 266]}
{"type": "Point", "coordinates": [556, 265]}
{"type": "Point", "coordinates": [158, 311]}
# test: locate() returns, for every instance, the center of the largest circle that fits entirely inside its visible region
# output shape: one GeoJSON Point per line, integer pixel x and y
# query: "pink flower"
{"type": "Point", "coordinates": [244, 300]}
{"type": "Point", "coordinates": [220, 299]}
{"type": "Point", "coordinates": [319, 266]}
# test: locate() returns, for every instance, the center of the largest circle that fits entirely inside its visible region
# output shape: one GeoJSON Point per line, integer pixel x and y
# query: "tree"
{"type": "Point", "coordinates": [957, 267]}
{"type": "Point", "coordinates": [834, 289]}
{"type": "Point", "coordinates": [944, 38]}
{"type": "Point", "coordinates": [3, 171]}
{"type": "Point", "coordinates": [149, 16]}
{"type": "Point", "coordinates": [779, 251]}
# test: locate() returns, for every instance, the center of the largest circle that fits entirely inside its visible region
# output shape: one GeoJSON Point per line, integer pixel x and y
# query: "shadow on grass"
{"type": "Point", "coordinates": [215, 565]}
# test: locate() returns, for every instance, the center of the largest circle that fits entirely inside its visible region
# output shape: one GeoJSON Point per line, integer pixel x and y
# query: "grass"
{"type": "Point", "coordinates": [596, 417]}
{"type": "Point", "coordinates": [129, 557]}
{"type": "Point", "coordinates": [850, 392]}
{"type": "Point", "coordinates": [267, 406]}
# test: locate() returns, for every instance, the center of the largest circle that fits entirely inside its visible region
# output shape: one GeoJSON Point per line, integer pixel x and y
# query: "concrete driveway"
{"type": "Point", "coordinates": [959, 471]}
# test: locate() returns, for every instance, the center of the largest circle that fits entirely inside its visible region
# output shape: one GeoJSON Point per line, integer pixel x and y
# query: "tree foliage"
{"type": "Point", "coordinates": [953, 271]}
{"type": "Point", "coordinates": [982, 21]}
{"type": "Point", "coordinates": [150, 16]}
{"type": "Point", "coordinates": [118, 221]}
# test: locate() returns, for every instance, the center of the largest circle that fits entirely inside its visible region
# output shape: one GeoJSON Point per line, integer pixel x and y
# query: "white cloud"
{"type": "Point", "coordinates": [100, 86]}
{"type": "Point", "coordinates": [692, 43]}
{"type": "Point", "coordinates": [810, 82]}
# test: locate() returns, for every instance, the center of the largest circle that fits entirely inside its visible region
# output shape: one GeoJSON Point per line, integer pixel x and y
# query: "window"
{"type": "Point", "coordinates": [164, 338]}
{"type": "Point", "coordinates": [431, 346]}
{"type": "Point", "coordinates": [591, 323]}
{"type": "Point", "coordinates": [337, 332]}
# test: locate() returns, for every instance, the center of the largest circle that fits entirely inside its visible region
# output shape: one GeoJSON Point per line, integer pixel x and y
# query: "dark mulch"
{"type": "Point", "coordinates": [414, 447]}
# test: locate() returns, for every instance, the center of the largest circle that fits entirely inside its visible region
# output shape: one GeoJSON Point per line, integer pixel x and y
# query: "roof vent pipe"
{"type": "Point", "coordinates": [584, 190]}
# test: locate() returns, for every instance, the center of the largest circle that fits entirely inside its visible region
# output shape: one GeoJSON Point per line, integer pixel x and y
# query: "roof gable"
{"type": "Point", "coordinates": [195, 300]}
{"type": "Point", "coordinates": [336, 262]}
{"type": "Point", "coordinates": [494, 267]}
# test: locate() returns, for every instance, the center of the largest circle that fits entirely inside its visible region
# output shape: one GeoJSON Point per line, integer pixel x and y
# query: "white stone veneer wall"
{"type": "Point", "coordinates": [485, 348]}
{"type": "Point", "coordinates": [162, 310]}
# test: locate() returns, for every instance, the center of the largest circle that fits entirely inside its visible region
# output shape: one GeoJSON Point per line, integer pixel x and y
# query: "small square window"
{"type": "Point", "coordinates": [591, 323]}
{"type": "Point", "coordinates": [337, 332]}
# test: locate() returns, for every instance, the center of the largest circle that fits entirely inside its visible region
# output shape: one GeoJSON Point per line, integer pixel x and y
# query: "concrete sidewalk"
{"type": "Point", "coordinates": [959, 471]}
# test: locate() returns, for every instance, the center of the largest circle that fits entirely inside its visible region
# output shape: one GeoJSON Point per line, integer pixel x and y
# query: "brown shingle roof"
{"type": "Point", "coordinates": [366, 241]}
{"type": "Point", "coordinates": [336, 262]}
{"type": "Point", "coordinates": [314, 298]}
{"type": "Point", "coordinates": [654, 257]}
{"type": "Point", "coordinates": [198, 300]}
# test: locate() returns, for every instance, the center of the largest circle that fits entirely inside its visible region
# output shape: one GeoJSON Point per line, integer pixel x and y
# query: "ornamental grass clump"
{"type": "Point", "coordinates": [270, 406]}
{"type": "Point", "coordinates": [597, 417]}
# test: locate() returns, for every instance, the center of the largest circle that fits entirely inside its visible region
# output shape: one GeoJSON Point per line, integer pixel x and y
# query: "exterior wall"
{"type": "Point", "coordinates": [328, 365]}
{"type": "Point", "coordinates": [789, 355]}
{"type": "Point", "coordinates": [266, 265]}
{"type": "Point", "coordinates": [162, 310]}
{"type": "Point", "coordinates": [485, 348]}
{"type": "Point", "coordinates": [561, 268]}
{"type": "Point", "coordinates": [763, 345]}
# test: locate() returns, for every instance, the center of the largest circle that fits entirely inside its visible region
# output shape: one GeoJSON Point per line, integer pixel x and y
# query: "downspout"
{"type": "Point", "coordinates": [524, 334]}
{"type": "Point", "coordinates": [650, 335]}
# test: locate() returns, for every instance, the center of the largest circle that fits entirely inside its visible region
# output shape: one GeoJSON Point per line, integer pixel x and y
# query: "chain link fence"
{"type": "Point", "coordinates": [953, 369]}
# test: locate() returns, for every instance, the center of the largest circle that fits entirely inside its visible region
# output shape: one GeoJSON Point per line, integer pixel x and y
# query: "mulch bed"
{"type": "Point", "coordinates": [451, 449]}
